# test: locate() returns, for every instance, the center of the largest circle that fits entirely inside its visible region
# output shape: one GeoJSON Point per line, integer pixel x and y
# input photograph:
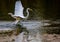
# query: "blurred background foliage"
{"type": "Point", "coordinates": [42, 9]}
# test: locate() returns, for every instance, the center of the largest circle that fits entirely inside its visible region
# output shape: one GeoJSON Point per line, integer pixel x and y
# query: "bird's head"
{"type": "Point", "coordinates": [29, 9]}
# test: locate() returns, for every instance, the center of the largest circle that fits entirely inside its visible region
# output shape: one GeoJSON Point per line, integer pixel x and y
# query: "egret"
{"type": "Point", "coordinates": [18, 13]}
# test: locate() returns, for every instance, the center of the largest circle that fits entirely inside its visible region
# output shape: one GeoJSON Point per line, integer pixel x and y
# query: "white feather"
{"type": "Point", "coordinates": [19, 9]}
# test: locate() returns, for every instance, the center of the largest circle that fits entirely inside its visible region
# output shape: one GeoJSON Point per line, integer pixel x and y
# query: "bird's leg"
{"type": "Point", "coordinates": [17, 20]}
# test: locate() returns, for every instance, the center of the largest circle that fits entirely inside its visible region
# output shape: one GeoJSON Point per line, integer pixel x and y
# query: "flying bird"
{"type": "Point", "coordinates": [18, 13]}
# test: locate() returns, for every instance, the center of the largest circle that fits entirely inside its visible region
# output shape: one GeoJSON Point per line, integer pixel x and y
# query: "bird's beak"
{"type": "Point", "coordinates": [30, 9]}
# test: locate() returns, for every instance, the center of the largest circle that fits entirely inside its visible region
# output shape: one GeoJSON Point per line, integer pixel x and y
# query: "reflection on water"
{"type": "Point", "coordinates": [32, 26]}
{"type": "Point", "coordinates": [32, 36]}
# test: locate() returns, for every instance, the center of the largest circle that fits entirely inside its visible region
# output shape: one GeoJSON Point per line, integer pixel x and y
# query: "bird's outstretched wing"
{"type": "Point", "coordinates": [18, 9]}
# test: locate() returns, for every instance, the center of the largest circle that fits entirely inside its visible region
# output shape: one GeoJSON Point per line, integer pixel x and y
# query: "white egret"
{"type": "Point", "coordinates": [19, 12]}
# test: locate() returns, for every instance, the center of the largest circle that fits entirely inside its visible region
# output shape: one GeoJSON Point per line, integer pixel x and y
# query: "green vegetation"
{"type": "Point", "coordinates": [20, 29]}
{"type": "Point", "coordinates": [42, 9]}
{"type": "Point", "coordinates": [51, 30]}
